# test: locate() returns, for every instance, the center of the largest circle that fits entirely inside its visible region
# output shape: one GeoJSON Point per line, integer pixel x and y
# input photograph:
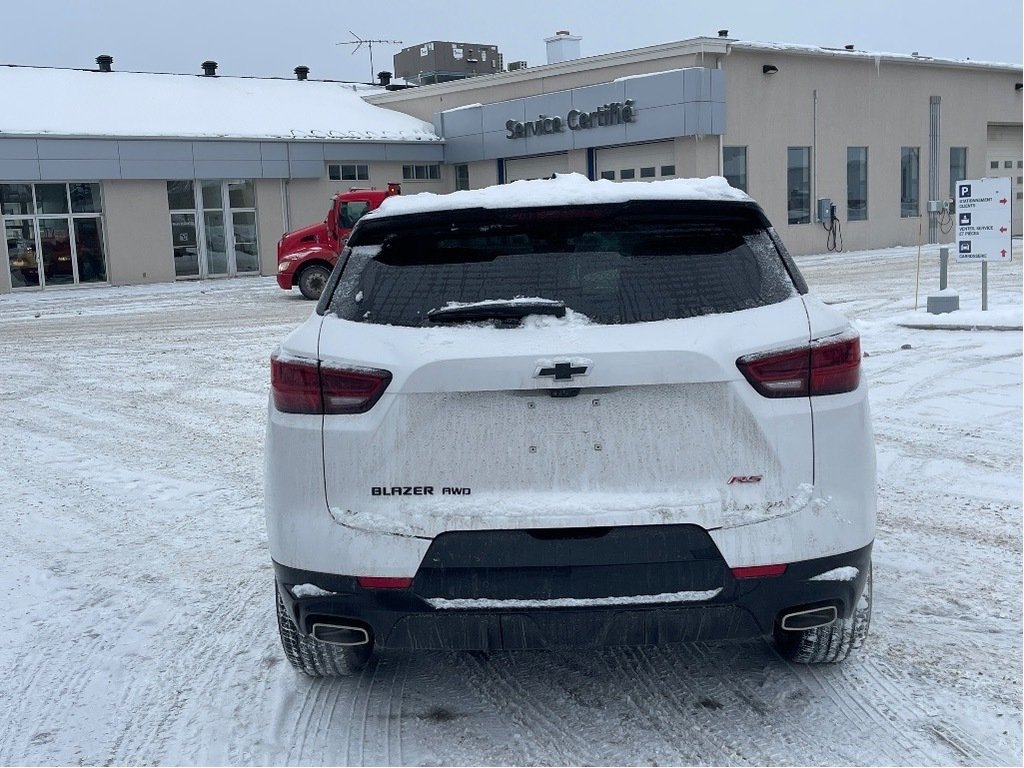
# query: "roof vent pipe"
{"type": "Point", "coordinates": [385, 78]}
{"type": "Point", "coordinates": [104, 61]}
{"type": "Point", "coordinates": [302, 72]}
{"type": "Point", "coordinates": [849, 46]}
{"type": "Point", "coordinates": [723, 33]}
{"type": "Point", "coordinates": [209, 68]}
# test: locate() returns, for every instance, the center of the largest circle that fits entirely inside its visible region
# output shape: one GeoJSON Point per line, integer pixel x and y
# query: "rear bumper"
{"type": "Point", "coordinates": [417, 618]}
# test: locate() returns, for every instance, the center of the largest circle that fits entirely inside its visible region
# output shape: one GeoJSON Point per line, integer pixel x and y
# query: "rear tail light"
{"type": "Point", "coordinates": [302, 386]}
{"type": "Point", "coordinates": [824, 367]}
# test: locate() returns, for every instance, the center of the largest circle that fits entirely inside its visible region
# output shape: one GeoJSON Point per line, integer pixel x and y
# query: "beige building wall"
{"type": "Point", "coordinates": [270, 221]}
{"type": "Point", "coordinates": [138, 232]}
{"type": "Point", "coordinates": [882, 106]}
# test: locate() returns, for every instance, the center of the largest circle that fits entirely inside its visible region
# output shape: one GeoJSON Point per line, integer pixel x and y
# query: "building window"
{"type": "Point", "coordinates": [421, 172]}
{"type": "Point", "coordinates": [610, 175]}
{"type": "Point", "coordinates": [856, 183]}
{"type": "Point", "coordinates": [348, 172]}
{"type": "Point", "coordinates": [54, 234]}
{"type": "Point", "coordinates": [461, 177]}
{"type": "Point", "coordinates": [993, 164]}
{"type": "Point", "coordinates": [734, 166]}
{"type": "Point", "coordinates": [910, 182]}
{"type": "Point", "coordinates": [798, 184]}
{"type": "Point", "coordinates": [213, 227]}
{"type": "Point", "coordinates": [627, 174]}
{"type": "Point", "coordinates": [647, 173]}
{"type": "Point", "coordinates": [1007, 163]}
{"type": "Point", "coordinates": [957, 168]}
{"type": "Point", "coordinates": [668, 170]}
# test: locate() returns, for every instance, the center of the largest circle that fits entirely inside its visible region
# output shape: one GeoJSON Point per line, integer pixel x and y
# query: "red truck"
{"type": "Point", "coordinates": [306, 256]}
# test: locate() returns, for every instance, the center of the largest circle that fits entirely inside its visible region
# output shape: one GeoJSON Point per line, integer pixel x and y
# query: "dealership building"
{"type": "Point", "coordinates": [119, 178]}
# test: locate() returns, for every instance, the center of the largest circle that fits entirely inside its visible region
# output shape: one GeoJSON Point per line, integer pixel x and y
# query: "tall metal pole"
{"type": "Point", "coordinates": [933, 166]}
{"type": "Point", "coordinates": [984, 286]}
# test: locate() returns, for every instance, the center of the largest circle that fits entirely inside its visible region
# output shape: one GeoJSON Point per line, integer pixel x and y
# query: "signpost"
{"type": "Point", "coordinates": [983, 211]}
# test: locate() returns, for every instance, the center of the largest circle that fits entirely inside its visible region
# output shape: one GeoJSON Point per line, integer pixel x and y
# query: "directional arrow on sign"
{"type": "Point", "coordinates": [1003, 253]}
{"type": "Point", "coordinates": [1003, 201]}
{"type": "Point", "coordinates": [1002, 229]}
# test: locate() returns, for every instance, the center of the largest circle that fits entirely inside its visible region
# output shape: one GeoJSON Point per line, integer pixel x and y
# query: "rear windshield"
{"type": "Point", "coordinates": [612, 264]}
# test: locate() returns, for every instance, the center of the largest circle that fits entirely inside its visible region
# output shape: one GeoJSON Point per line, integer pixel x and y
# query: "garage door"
{"type": "Point", "coordinates": [639, 162]}
{"type": "Point", "coordinates": [1003, 158]}
{"type": "Point", "coordinates": [536, 167]}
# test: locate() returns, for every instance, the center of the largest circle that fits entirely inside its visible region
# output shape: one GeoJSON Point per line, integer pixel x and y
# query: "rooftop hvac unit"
{"type": "Point", "coordinates": [514, 65]}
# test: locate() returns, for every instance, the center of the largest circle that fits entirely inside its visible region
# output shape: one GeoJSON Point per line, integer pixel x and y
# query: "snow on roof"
{"type": "Point", "coordinates": [815, 50]}
{"type": "Point", "coordinates": [564, 189]}
{"type": "Point", "coordinates": [70, 102]}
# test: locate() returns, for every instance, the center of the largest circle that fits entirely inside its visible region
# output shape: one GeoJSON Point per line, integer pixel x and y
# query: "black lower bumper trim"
{"type": "Point", "coordinates": [741, 608]}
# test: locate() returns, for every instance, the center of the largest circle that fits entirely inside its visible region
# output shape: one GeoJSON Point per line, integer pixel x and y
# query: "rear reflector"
{"type": "Point", "coordinates": [304, 386]}
{"type": "Point", "coordinates": [759, 571]}
{"type": "Point", "coordinates": [383, 582]}
{"type": "Point", "coordinates": [824, 367]}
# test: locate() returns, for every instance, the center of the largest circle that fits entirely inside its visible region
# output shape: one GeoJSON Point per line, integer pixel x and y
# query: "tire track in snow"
{"type": "Point", "coordinates": [189, 669]}
{"type": "Point", "coordinates": [374, 732]}
{"type": "Point", "coordinates": [880, 677]}
{"type": "Point", "coordinates": [546, 738]}
{"type": "Point", "coordinates": [845, 690]}
{"type": "Point", "coordinates": [662, 708]}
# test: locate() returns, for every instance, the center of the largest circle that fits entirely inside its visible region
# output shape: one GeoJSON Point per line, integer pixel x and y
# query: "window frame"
{"type": "Point", "coordinates": [860, 181]}
{"type": "Point", "coordinates": [802, 215]}
{"type": "Point", "coordinates": [739, 152]}
{"type": "Point", "coordinates": [69, 215]}
{"type": "Point", "coordinates": [910, 182]}
{"type": "Point", "coordinates": [953, 173]}
{"type": "Point", "coordinates": [421, 172]}
{"type": "Point", "coordinates": [348, 172]}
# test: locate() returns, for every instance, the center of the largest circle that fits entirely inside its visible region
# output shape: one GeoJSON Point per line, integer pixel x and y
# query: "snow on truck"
{"type": "Point", "coordinates": [306, 256]}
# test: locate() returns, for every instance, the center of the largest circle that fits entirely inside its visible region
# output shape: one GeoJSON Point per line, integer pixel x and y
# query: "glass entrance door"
{"type": "Point", "coordinates": [213, 226]}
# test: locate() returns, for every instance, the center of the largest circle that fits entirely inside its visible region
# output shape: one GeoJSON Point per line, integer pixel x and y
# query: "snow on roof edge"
{"type": "Point", "coordinates": [563, 189]}
{"type": "Point", "coordinates": [872, 55]}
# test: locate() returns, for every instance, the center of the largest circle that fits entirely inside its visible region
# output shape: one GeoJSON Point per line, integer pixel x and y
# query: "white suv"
{"type": "Point", "coordinates": [569, 413]}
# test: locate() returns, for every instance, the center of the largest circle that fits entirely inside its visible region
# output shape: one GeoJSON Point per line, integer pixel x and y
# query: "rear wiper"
{"type": "Point", "coordinates": [505, 310]}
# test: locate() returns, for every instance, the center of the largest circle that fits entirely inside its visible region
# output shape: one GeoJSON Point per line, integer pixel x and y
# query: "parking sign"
{"type": "Point", "coordinates": [983, 214]}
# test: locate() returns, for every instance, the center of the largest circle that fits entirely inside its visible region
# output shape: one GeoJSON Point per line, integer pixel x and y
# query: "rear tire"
{"type": "Point", "coordinates": [831, 644]}
{"type": "Point", "coordinates": [311, 281]}
{"type": "Point", "coordinates": [314, 658]}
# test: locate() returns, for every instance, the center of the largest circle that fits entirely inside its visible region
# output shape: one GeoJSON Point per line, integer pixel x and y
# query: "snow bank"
{"type": "Point", "coordinates": [69, 102]}
{"type": "Point", "coordinates": [1003, 318]}
{"type": "Point", "coordinates": [564, 189]}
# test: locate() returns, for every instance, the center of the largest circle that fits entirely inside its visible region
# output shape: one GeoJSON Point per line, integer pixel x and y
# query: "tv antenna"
{"type": "Point", "coordinates": [358, 42]}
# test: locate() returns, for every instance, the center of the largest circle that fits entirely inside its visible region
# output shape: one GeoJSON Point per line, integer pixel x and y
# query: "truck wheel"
{"type": "Point", "coordinates": [312, 280]}
{"type": "Point", "coordinates": [829, 644]}
{"type": "Point", "coordinates": [314, 658]}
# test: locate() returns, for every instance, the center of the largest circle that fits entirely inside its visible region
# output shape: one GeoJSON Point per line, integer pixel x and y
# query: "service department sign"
{"type": "Point", "coordinates": [615, 113]}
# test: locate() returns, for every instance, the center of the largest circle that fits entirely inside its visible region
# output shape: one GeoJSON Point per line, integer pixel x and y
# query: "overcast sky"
{"type": "Point", "coordinates": [271, 37]}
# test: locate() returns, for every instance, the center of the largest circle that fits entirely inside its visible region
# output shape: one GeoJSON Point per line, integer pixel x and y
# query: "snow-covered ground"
{"type": "Point", "coordinates": [136, 585]}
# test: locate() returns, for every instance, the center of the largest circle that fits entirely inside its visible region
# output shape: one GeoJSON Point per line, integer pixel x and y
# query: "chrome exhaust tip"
{"type": "Point", "coordinates": [810, 618]}
{"type": "Point", "coordinates": [340, 634]}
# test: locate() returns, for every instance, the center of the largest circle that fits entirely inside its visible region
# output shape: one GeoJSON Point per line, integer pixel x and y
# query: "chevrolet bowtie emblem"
{"type": "Point", "coordinates": [562, 370]}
